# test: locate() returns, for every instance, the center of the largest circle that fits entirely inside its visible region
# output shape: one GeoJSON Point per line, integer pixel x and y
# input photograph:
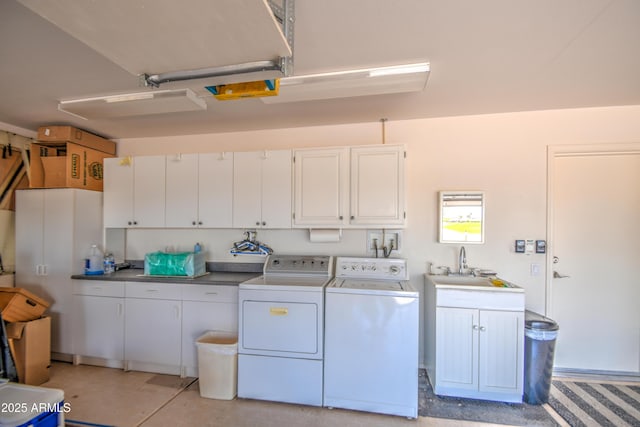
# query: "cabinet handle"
{"type": "Point", "coordinates": [135, 222]}
{"type": "Point", "coordinates": [199, 222]}
{"type": "Point", "coordinates": [193, 223]}
{"type": "Point", "coordinates": [257, 222]}
{"type": "Point", "coordinates": [152, 290]}
{"type": "Point", "coordinates": [264, 223]}
{"type": "Point", "coordinates": [211, 293]}
{"type": "Point", "coordinates": [45, 270]}
{"type": "Point", "coordinates": [129, 223]}
{"type": "Point", "coordinates": [353, 217]}
{"type": "Point", "coordinates": [176, 309]}
{"type": "Point", "coordinates": [482, 328]}
{"type": "Point", "coordinates": [475, 327]}
{"type": "Point", "coordinates": [119, 310]}
{"type": "Point", "coordinates": [340, 217]}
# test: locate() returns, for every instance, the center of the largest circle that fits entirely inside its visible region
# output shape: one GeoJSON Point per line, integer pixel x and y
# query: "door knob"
{"type": "Point", "coordinates": [557, 275]}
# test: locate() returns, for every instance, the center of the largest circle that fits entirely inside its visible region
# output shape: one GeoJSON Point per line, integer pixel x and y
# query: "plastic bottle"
{"type": "Point", "coordinates": [197, 248]}
{"type": "Point", "coordinates": [109, 263]}
{"type": "Point", "coordinates": [96, 261]}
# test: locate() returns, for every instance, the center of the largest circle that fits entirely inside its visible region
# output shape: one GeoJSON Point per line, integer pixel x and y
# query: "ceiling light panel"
{"type": "Point", "coordinates": [134, 104]}
{"type": "Point", "coordinates": [351, 83]}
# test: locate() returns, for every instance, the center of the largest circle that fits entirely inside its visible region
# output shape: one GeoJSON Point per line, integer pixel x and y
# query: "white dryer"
{"type": "Point", "coordinates": [371, 337]}
{"type": "Point", "coordinates": [281, 330]}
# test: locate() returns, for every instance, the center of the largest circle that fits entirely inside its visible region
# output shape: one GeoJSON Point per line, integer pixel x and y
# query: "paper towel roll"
{"type": "Point", "coordinates": [325, 235]}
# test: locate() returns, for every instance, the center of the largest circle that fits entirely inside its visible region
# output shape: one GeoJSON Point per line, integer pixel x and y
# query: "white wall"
{"type": "Point", "coordinates": [503, 155]}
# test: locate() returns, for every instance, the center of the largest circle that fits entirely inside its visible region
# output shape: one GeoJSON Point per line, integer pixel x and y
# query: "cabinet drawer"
{"type": "Point", "coordinates": [513, 301]}
{"type": "Point", "coordinates": [98, 288]}
{"type": "Point", "coordinates": [167, 291]}
{"type": "Point", "coordinates": [210, 293]}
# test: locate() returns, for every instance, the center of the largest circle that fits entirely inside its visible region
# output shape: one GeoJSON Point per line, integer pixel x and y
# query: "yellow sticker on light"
{"type": "Point", "coordinates": [278, 311]}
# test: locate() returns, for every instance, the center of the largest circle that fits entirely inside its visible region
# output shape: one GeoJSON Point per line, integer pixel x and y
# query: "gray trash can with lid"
{"type": "Point", "coordinates": [540, 335]}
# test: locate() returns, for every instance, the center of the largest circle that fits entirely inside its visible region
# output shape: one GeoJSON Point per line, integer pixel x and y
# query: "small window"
{"type": "Point", "coordinates": [461, 217]}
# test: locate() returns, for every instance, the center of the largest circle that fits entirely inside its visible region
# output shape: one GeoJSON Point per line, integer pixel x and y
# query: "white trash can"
{"type": "Point", "coordinates": [218, 365]}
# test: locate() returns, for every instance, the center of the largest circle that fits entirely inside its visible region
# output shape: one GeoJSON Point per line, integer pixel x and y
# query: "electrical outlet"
{"type": "Point", "coordinates": [374, 238]}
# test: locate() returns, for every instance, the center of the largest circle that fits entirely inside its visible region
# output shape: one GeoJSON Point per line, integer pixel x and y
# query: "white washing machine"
{"type": "Point", "coordinates": [371, 337]}
{"type": "Point", "coordinates": [281, 330]}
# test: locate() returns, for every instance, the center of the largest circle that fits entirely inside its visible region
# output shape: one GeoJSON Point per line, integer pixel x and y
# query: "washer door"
{"type": "Point", "coordinates": [275, 326]}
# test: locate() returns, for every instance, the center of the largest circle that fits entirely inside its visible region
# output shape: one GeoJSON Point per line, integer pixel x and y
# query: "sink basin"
{"type": "Point", "coordinates": [461, 280]}
{"type": "Point", "coordinates": [471, 281]}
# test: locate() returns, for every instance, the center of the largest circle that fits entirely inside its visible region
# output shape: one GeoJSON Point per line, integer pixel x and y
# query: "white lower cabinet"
{"type": "Point", "coordinates": [153, 327]}
{"type": "Point", "coordinates": [479, 353]}
{"type": "Point", "coordinates": [98, 326]}
{"type": "Point", "coordinates": [150, 327]}
{"type": "Point", "coordinates": [205, 308]}
{"type": "Point", "coordinates": [474, 343]}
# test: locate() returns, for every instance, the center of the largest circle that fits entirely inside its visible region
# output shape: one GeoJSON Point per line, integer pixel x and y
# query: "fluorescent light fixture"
{"type": "Point", "coordinates": [346, 84]}
{"type": "Point", "coordinates": [133, 104]}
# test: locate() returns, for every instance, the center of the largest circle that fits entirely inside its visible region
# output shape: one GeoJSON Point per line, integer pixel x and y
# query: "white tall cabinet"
{"type": "Point", "coordinates": [350, 187]}
{"type": "Point", "coordinates": [199, 190]}
{"type": "Point", "coordinates": [262, 184]}
{"type": "Point", "coordinates": [134, 192]}
{"type": "Point", "coordinates": [55, 229]}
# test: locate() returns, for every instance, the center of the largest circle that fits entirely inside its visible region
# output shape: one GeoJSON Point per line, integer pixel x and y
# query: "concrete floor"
{"type": "Point", "coordinates": [116, 398]}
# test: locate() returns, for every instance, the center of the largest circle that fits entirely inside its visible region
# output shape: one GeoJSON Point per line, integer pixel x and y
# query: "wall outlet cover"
{"type": "Point", "coordinates": [520, 246]}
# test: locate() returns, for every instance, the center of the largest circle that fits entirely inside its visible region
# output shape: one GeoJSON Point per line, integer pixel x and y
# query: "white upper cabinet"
{"type": "Point", "coordinates": [262, 189]}
{"type": "Point", "coordinates": [134, 192]}
{"type": "Point", "coordinates": [199, 190]}
{"type": "Point", "coordinates": [350, 187]}
{"type": "Point", "coordinates": [377, 186]}
{"type": "Point", "coordinates": [321, 187]}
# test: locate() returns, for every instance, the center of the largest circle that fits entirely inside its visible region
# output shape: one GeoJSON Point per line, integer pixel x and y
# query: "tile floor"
{"type": "Point", "coordinates": [116, 398]}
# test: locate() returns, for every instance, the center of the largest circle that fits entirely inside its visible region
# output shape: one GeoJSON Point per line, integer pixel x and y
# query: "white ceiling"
{"type": "Point", "coordinates": [487, 56]}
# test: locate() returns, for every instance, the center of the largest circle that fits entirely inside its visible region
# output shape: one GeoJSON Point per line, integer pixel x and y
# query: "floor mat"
{"type": "Point", "coordinates": [583, 403]}
{"type": "Point", "coordinates": [517, 414]}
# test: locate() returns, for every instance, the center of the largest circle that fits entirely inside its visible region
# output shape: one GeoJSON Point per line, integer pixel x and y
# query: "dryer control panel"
{"type": "Point", "coordinates": [372, 268]}
{"type": "Point", "coordinates": [298, 265]}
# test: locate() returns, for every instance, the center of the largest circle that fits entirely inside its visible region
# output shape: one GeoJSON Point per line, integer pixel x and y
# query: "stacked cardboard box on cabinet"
{"type": "Point", "coordinates": [67, 157]}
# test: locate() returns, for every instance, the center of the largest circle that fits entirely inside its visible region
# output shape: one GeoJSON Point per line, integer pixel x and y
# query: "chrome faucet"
{"type": "Point", "coordinates": [462, 260]}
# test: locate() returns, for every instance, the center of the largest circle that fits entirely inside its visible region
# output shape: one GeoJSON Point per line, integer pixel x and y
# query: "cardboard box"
{"type": "Point", "coordinates": [20, 305]}
{"type": "Point", "coordinates": [66, 166]}
{"type": "Point", "coordinates": [65, 134]}
{"type": "Point", "coordinates": [30, 344]}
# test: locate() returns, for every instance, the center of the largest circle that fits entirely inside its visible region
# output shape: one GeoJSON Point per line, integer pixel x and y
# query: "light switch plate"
{"type": "Point", "coordinates": [529, 246]}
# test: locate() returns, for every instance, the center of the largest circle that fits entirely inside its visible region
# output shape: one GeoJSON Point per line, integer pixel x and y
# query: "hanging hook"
{"type": "Point", "coordinates": [384, 136]}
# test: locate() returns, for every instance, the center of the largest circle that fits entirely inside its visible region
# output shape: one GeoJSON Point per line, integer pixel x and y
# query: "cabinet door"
{"type": "Point", "coordinates": [215, 190]}
{"type": "Point", "coordinates": [456, 348]}
{"type": "Point", "coordinates": [377, 186]}
{"type": "Point", "coordinates": [501, 351]}
{"type": "Point", "coordinates": [321, 187]}
{"type": "Point", "coordinates": [59, 244]}
{"type": "Point", "coordinates": [118, 193]}
{"type": "Point", "coordinates": [149, 191]}
{"type": "Point", "coordinates": [152, 331]}
{"type": "Point", "coordinates": [247, 189]}
{"type": "Point", "coordinates": [99, 327]}
{"type": "Point", "coordinates": [182, 191]}
{"type": "Point", "coordinates": [276, 189]}
{"type": "Point", "coordinates": [29, 256]}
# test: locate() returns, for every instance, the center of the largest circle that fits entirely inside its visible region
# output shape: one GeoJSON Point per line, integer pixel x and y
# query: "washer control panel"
{"type": "Point", "coordinates": [299, 264]}
{"type": "Point", "coordinates": [372, 268]}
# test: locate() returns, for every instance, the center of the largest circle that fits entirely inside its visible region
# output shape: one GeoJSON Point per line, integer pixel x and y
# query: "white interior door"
{"type": "Point", "coordinates": [594, 285]}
